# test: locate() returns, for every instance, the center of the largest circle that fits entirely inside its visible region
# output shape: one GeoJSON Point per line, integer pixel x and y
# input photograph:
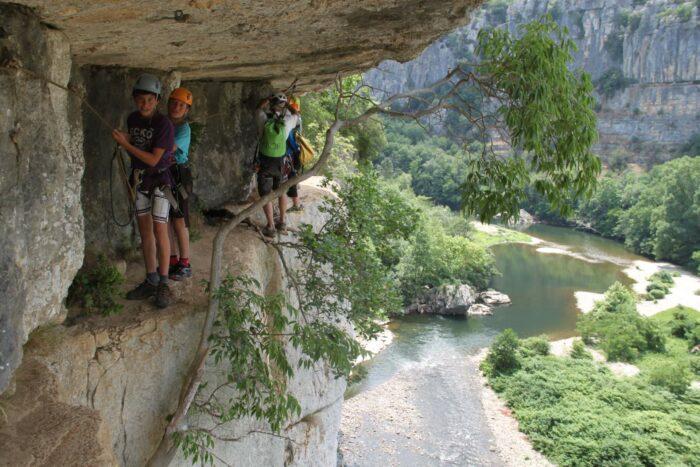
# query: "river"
{"type": "Point", "coordinates": [419, 404]}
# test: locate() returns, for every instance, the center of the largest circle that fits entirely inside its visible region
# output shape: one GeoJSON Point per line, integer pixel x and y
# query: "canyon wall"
{"type": "Point", "coordinates": [654, 105]}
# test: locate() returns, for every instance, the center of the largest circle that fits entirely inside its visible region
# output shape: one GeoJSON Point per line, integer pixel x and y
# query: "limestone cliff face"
{"type": "Point", "coordinates": [57, 195]}
{"type": "Point", "coordinates": [655, 44]}
{"type": "Point", "coordinates": [116, 380]}
{"type": "Point", "coordinates": [41, 220]}
{"type": "Point", "coordinates": [312, 40]}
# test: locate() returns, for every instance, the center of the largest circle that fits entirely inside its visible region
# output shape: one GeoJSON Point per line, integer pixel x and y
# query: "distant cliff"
{"type": "Point", "coordinates": [642, 55]}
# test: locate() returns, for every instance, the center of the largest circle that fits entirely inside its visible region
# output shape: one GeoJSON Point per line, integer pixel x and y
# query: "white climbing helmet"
{"type": "Point", "coordinates": [148, 83]}
{"type": "Point", "coordinates": [279, 98]}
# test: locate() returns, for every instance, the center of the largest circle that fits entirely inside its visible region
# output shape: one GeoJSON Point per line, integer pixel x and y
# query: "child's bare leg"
{"type": "Point", "coordinates": [283, 207]}
{"type": "Point", "coordinates": [268, 214]}
{"type": "Point", "coordinates": [161, 237]}
{"type": "Point", "coordinates": [148, 242]}
{"type": "Point", "coordinates": [171, 237]}
{"type": "Point", "coordinates": [183, 236]}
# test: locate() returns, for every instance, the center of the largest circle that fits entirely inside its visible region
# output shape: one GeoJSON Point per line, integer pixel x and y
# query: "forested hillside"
{"type": "Point", "coordinates": [641, 54]}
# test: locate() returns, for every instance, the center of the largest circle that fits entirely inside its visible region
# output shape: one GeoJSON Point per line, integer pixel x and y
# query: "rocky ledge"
{"type": "Point", "coordinates": [313, 40]}
{"type": "Point", "coordinates": [458, 300]}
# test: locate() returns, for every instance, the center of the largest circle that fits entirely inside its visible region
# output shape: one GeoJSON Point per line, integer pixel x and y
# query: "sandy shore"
{"type": "Point", "coordinates": [512, 446]}
{"type": "Point", "coordinates": [682, 292]}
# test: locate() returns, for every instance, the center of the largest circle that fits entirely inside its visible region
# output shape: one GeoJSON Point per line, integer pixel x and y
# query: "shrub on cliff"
{"type": "Point", "coordinates": [96, 288]}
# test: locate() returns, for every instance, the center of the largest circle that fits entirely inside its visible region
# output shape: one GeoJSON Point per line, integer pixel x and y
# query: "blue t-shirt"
{"type": "Point", "coordinates": [183, 135]}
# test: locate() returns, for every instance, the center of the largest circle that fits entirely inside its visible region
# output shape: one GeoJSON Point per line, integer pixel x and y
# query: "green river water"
{"type": "Point", "coordinates": [428, 354]}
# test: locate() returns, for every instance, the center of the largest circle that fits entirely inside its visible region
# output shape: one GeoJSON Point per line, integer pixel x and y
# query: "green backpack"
{"type": "Point", "coordinates": [274, 139]}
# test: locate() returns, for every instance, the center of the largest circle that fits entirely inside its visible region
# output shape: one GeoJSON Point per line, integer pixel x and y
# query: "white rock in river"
{"type": "Point", "coordinates": [479, 309]}
{"type": "Point", "coordinates": [494, 297]}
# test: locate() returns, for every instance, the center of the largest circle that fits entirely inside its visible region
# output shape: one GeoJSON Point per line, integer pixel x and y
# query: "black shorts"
{"type": "Point", "coordinates": [183, 182]}
{"type": "Point", "coordinates": [271, 173]}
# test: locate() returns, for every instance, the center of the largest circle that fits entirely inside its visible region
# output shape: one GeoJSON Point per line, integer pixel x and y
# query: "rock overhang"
{"type": "Point", "coordinates": [311, 41]}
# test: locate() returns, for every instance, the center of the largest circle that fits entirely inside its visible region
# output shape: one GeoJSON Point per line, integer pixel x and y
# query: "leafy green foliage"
{"type": "Point", "coordinates": [578, 414]}
{"type": "Point", "coordinates": [618, 329]}
{"type": "Point", "coordinates": [538, 345]}
{"type": "Point", "coordinates": [549, 115]}
{"type": "Point", "coordinates": [612, 81]}
{"type": "Point", "coordinates": [657, 213]}
{"type": "Point", "coordinates": [361, 242]}
{"type": "Point", "coordinates": [692, 146]}
{"type": "Point", "coordinates": [578, 351]}
{"type": "Point", "coordinates": [674, 377]}
{"type": "Point", "coordinates": [96, 289]}
{"type": "Point", "coordinates": [503, 354]}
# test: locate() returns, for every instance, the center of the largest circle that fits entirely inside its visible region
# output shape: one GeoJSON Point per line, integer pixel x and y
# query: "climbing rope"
{"type": "Point", "coordinates": [125, 180]}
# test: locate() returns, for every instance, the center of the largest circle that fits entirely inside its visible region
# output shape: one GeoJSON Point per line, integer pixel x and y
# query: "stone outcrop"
{"type": "Point", "coordinates": [458, 300]}
{"type": "Point", "coordinates": [494, 297]}
{"type": "Point", "coordinates": [230, 53]}
{"type": "Point", "coordinates": [312, 40]}
{"type": "Point", "coordinates": [112, 382]}
{"type": "Point", "coordinates": [41, 240]}
{"type": "Point", "coordinates": [654, 45]}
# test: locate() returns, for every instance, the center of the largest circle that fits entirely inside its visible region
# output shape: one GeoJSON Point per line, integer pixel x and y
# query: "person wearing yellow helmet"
{"type": "Point", "coordinates": [179, 105]}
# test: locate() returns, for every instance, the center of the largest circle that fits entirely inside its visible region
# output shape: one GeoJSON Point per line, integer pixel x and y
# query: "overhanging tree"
{"type": "Point", "coordinates": [545, 109]}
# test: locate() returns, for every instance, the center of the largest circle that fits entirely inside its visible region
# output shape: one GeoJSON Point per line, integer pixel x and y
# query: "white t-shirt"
{"type": "Point", "coordinates": [290, 121]}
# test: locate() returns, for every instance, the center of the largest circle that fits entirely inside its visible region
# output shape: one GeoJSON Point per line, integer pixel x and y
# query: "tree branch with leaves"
{"type": "Point", "coordinates": [528, 90]}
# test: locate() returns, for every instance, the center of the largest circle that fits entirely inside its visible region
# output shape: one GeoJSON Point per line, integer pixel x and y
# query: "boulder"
{"type": "Point", "coordinates": [479, 309]}
{"type": "Point", "coordinates": [494, 297]}
{"type": "Point", "coordinates": [445, 300]}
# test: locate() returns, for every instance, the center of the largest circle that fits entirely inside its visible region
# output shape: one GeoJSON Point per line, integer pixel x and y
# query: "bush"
{"type": "Point", "coordinates": [695, 365]}
{"type": "Point", "coordinates": [503, 354]}
{"type": "Point", "coordinates": [656, 294]}
{"type": "Point", "coordinates": [578, 414]}
{"type": "Point", "coordinates": [663, 277]}
{"type": "Point", "coordinates": [682, 324]}
{"type": "Point", "coordinates": [612, 81]}
{"type": "Point", "coordinates": [579, 352]}
{"type": "Point", "coordinates": [532, 346]}
{"type": "Point", "coordinates": [618, 329]}
{"type": "Point", "coordinates": [673, 377]}
{"type": "Point", "coordinates": [96, 289]}
{"type": "Point", "coordinates": [693, 337]}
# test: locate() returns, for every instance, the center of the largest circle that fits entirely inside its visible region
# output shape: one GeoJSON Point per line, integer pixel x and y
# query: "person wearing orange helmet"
{"type": "Point", "coordinates": [179, 105]}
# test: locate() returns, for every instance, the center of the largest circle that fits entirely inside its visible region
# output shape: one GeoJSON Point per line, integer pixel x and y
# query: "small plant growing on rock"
{"type": "Point", "coordinates": [96, 289]}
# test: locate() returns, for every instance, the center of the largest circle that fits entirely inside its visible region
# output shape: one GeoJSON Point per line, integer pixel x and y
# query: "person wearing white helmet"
{"type": "Point", "coordinates": [149, 142]}
{"type": "Point", "coordinates": [276, 120]}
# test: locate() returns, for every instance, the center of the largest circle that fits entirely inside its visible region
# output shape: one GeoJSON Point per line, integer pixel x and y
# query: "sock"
{"type": "Point", "coordinates": [164, 280]}
{"type": "Point", "coordinates": [173, 260]}
{"type": "Point", "coordinates": [152, 277]}
{"type": "Point", "coordinates": [185, 262]}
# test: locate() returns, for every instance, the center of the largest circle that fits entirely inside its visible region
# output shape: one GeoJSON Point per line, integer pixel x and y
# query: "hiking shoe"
{"type": "Point", "coordinates": [281, 226]}
{"type": "Point", "coordinates": [181, 272]}
{"type": "Point", "coordinates": [299, 208]}
{"type": "Point", "coordinates": [143, 291]}
{"type": "Point", "coordinates": [268, 231]}
{"type": "Point", "coordinates": [162, 295]}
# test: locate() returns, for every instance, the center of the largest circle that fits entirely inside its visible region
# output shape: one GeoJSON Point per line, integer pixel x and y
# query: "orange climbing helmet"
{"type": "Point", "coordinates": [295, 103]}
{"type": "Point", "coordinates": [182, 95]}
